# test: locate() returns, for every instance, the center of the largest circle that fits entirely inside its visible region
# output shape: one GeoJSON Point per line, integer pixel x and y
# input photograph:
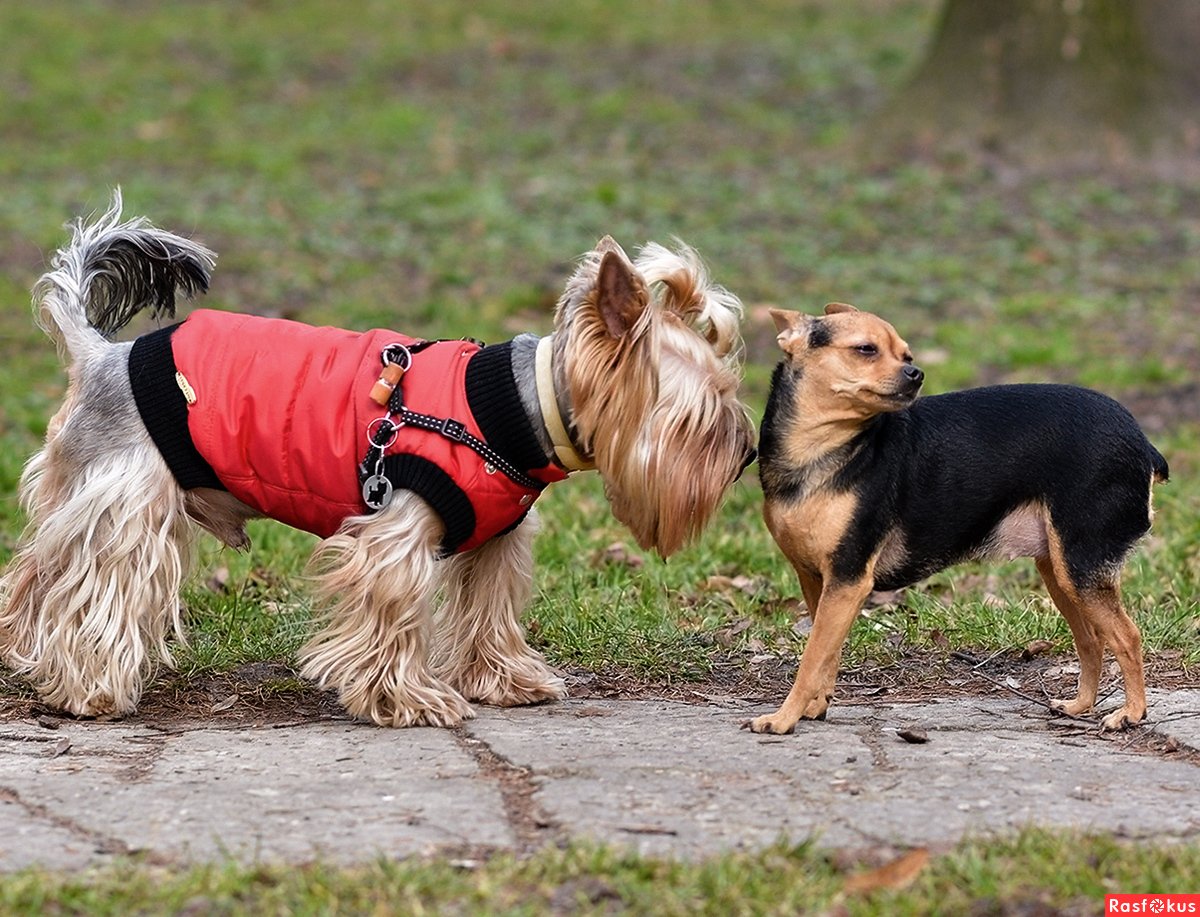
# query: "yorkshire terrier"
{"type": "Point", "coordinates": [416, 462]}
{"type": "Point", "coordinates": [867, 488]}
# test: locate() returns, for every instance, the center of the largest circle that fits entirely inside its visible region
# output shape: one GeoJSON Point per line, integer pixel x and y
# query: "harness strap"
{"type": "Point", "coordinates": [456, 431]}
{"type": "Point", "coordinates": [377, 488]}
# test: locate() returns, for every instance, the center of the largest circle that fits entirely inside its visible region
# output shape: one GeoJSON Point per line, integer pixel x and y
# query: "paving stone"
{"type": "Point", "coordinates": [659, 777]}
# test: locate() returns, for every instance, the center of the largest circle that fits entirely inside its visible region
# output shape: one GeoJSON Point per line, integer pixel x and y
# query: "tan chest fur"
{"type": "Point", "coordinates": [809, 529]}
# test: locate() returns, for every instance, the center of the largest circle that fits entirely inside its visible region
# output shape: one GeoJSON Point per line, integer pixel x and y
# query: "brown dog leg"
{"type": "Point", "coordinates": [1102, 607]}
{"type": "Point", "coordinates": [811, 585]}
{"type": "Point", "coordinates": [839, 605]}
{"type": "Point", "coordinates": [1088, 644]}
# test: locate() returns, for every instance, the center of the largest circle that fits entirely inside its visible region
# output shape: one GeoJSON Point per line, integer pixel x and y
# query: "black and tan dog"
{"type": "Point", "coordinates": [867, 488]}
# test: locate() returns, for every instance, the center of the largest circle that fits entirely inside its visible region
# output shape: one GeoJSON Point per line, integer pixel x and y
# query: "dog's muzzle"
{"type": "Point", "coordinates": [911, 378]}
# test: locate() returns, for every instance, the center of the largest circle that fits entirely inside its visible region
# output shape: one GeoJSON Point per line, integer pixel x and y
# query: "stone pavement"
{"type": "Point", "coordinates": [661, 777]}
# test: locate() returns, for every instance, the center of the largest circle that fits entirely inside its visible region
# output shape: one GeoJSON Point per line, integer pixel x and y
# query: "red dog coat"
{"type": "Point", "coordinates": [276, 412]}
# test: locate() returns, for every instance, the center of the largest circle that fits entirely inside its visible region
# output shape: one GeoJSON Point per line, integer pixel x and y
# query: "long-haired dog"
{"type": "Point", "coordinates": [416, 462]}
{"type": "Point", "coordinates": [867, 488]}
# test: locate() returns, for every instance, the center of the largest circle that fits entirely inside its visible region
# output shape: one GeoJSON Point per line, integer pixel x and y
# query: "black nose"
{"type": "Point", "coordinates": [914, 374]}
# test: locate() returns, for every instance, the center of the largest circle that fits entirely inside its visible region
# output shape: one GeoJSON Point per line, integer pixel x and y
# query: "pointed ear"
{"type": "Point", "coordinates": [609, 244]}
{"type": "Point", "coordinates": [621, 294]}
{"type": "Point", "coordinates": [833, 308]}
{"type": "Point", "coordinates": [786, 319]}
{"type": "Point", "coordinates": [793, 328]}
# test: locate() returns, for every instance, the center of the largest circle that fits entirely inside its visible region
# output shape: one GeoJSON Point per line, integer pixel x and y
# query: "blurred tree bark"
{"type": "Point", "coordinates": [1113, 77]}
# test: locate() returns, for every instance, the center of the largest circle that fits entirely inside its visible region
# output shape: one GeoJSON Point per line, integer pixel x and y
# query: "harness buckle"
{"type": "Point", "coordinates": [454, 430]}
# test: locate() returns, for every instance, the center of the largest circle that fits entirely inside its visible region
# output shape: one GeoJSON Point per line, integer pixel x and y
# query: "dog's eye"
{"type": "Point", "coordinates": [908, 358]}
{"type": "Point", "coordinates": [867, 350]}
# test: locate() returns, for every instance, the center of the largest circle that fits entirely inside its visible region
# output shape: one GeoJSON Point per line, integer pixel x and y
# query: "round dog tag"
{"type": "Point", "coordinates": [377, 492]}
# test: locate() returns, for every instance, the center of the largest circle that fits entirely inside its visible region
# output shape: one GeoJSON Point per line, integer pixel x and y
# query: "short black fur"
{"type": "Point", "coordinates": [945, 472]}
{"type": "Point", "coordinates": [819, 335]}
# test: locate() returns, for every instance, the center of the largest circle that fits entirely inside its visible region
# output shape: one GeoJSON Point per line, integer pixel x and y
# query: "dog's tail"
{"type": "Point", "coordinates": [108, 273]}
{"type": "Point", "coordinates": [1160, 472]}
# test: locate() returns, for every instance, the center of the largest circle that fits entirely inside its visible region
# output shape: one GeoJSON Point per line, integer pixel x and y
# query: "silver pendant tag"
{"type": "Point", "coordinates": [377, 492]}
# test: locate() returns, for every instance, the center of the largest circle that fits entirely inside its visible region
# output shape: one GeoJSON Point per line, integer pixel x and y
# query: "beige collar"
{"type": "Point", "coordinates": [568, 456]}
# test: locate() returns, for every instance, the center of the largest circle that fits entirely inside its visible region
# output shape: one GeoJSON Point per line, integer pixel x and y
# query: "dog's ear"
{"type": "Point", "coordinates": [792, 327]}
{"type": "Point", "coordinates": [833, 308]}
{"type": "Point", "coordinates": [609, 244]}
{"type": "Point", "coordinates": [787, 320]}
{"type": "Point", "coordinates": [621, 294]}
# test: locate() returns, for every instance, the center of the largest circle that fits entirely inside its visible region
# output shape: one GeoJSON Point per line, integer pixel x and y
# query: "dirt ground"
{"type": "Point", "coordinates": [272, 693]}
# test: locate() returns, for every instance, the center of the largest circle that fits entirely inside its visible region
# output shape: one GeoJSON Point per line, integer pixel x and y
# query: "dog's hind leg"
{"type": "Point", "coordinates": [481, 648]}
{"type": "Point", "coordinates": [87, 601]}
{"type": "Point", "coordinates": [1089, 646]}
{"type": "Point", "coordinates": [377, 580]}
{"type": "Point", "coordinates": [1101, 605]}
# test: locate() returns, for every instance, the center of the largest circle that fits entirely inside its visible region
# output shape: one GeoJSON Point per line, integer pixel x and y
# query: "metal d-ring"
{"type": "Point", "coordinates": [372, 430]}
{"type": "Point", "coordinates": [392, 351]}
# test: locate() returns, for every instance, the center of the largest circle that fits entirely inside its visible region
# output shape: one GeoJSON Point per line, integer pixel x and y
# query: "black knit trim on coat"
{"type": "Point", "coordinates": [496, 404]}
{"type": "Point", "coordinates": [164, 409]}
{"type": "Point", "coordinates": [435, 487]}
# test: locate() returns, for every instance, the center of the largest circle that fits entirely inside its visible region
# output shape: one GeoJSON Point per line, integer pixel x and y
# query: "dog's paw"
{"type": "Point", "coordinates": [433, 704]}
{"type": "Point", "coordinates": [518, 695]}
{"type": "Point", "coordinates": [1071, 707]}
{"type": "Point", "coordinates": [772, 724]}
{"type": "Point", "coordinates": [817, 710]}
{"type": "Point", "coordinates": [1121, 718]}
{"type": "Point", "coordinates": [510, 682]}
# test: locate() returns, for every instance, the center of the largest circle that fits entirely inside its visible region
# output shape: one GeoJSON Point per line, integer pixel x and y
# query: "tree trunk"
{"type": "Point", "coordinates": [1060, 77]}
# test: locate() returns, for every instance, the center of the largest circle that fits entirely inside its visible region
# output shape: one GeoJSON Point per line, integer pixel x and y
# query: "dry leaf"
{"type": "Point", "coordinates": [746, 584]}
{"type": "Point", "coordinates": [224, 704]}
{"type": "Point", "coordinates": [899, 873]}
{"type": "Point", "coordinates": [61, 747]}
{"type": "Point", "coordinates": [725, 636]}
{"type": "Point", "coordinates": [1036, 648]}
{"type": "Point", "coordinates": [618, 553]}
{"type": "Point", "coordinates": [913, 736]}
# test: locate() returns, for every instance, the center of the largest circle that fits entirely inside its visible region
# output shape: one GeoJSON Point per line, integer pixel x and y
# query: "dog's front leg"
{"type": "Point", "coordinates": [839, 605]}
{"type": "Point", "coordinates": [480, 647]}
{"type": "Point", "coordinates": [376, 581]}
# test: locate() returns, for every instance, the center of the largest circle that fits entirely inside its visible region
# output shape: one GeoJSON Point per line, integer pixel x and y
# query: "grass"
{"type": "Point", "coordinates": [1033, 872]}
{"type": "Point", "coordinates": [437, 168]}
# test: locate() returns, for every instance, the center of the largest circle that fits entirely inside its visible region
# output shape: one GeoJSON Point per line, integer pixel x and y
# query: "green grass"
{"type": "Point", "coordinates": [1033, 872]}
{"type": "Point", "coordinates": [437, 169]}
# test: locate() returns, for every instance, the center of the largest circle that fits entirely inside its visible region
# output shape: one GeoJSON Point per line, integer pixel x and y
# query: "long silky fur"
{"type": "Point", "coordinates": [376, 580]}
{"type": "Point", "coordinates": [657, 407]}
{"type": "Point", "coordinates": [90, 600]}
{"type": "Point", "coordinates": [480, 648]}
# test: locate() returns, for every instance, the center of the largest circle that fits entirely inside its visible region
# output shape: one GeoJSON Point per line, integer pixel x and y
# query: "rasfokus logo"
{"type": "Point", "coordinates": [1152, 904]}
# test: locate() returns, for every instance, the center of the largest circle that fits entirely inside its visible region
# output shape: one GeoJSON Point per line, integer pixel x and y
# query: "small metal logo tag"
{"type": "Point", "coordinates": [377, 492]}
{"type": "Point", "coordinates": [189, 393]}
